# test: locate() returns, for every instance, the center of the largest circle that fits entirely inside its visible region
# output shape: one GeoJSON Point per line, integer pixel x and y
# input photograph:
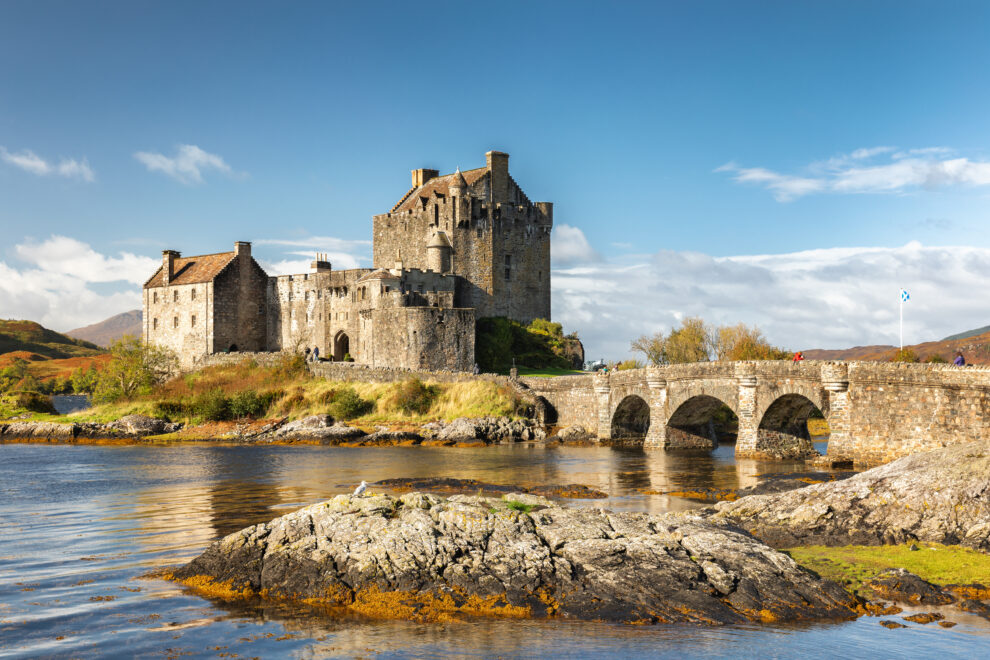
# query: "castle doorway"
{"type": "Point", "coordinates": [341, 346]}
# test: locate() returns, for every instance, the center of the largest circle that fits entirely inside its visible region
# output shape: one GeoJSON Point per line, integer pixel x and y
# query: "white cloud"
{"type": "Point", "coordinates": [187, 166]}
{"type": "Point", "coordinates": [862, 171]}
{"type": "Point", "coordinates": [342, 253]}
{"type": "Point", "coordinates": [31, 162]}
{"type": "Point", "coordinates": [834, 298]}
{"type": "Point", "coordinates": [569, 245]}
{"type": "Point", "coordinates": [54, 287]}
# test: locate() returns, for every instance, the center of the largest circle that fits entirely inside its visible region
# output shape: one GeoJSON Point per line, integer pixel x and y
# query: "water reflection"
{"type": "Point", "coordinates": [79, 524]}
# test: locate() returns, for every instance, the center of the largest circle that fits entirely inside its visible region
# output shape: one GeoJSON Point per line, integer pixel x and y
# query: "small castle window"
{"type": "Point", "coordinates": [154, 324]}
{"type": "Point", "coordinates": [306, 296]}
{"type": "Point", "coordinates": [175, 296]}
{"type": "Point", "coordinates": [175, 321]}
{"type": "Point", "coordinates": [193, 295]}
{"type": "Point", "coordinates": [194, 320]}
{"type": "Point", "coordinates": [479, 232]}
{"type": "Point", "coordinates": [154, 297]}
{"type": "Point", "coordinates": [508, 266]}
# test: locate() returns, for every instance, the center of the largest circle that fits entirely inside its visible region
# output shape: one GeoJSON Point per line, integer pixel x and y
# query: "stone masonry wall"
{"type": "Point", "coordinates": [240, 316]}
{"type": "Point", "coordinates": [420, 338]}
{"type": "Point", "coordinates": [179, 318]}
{"type": "Point", "coordinates": [573, 399]}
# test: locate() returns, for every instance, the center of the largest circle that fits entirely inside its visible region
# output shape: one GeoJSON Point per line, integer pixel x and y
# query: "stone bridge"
{"type": "Point", "coordinates": [876, 411]}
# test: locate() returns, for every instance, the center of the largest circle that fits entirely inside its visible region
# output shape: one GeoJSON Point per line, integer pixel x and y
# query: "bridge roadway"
{"type": "Point", "coordinates": [876, 411]}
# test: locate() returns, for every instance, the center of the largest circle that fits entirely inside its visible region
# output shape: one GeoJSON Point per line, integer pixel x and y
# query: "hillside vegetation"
{"type": "Point", "coordinates": [501, 342]}
{"type": "Point", "coordinates": [31, 337]}
{"type": "Point", "coordinates": [247, 390]}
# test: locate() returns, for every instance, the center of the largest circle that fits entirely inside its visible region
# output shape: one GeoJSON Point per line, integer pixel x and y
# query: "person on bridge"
{"type": "Point", "coordinates": [798, 356]}
{"type": "Point", "coordinates": [960, 361]}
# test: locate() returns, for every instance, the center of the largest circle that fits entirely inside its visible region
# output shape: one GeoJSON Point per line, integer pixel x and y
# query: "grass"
{"type": "Point", "coordinates": [852, 564]}
{"type": "Point", "coordinates": [548, 372]}
{"type": "Point", "coordinates": [522, 507]}
{"type": "Point", "coordinates": [295, 393]}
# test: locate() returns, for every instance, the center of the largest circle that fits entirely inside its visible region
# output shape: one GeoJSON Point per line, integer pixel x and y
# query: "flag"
{"type": "Point", "coordinates": [904, 296]}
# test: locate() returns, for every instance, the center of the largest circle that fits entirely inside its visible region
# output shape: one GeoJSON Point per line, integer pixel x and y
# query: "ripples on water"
{"type": "Point", "coordinates": [80, 524]}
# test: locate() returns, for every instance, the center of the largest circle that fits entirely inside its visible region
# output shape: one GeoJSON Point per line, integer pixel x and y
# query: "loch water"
{"type": "Point", "coordinates": [81, 524]}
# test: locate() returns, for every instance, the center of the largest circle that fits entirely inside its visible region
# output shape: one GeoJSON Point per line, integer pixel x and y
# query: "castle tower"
{"type": "Point", "coordinates": [438, 253]}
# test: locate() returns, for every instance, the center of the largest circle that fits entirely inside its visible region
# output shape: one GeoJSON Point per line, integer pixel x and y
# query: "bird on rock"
{"type": "Point", "coordinates": [360, 489]}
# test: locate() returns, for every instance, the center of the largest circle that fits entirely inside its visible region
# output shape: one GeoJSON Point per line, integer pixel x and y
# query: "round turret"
{"type": "Point", "coordinates": [438, 252]}
{"type": "Point", "coordinates": [458, 184]}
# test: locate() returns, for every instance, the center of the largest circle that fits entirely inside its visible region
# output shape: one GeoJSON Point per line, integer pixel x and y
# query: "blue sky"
{"type": "Point", "coordinates": [704, 134]}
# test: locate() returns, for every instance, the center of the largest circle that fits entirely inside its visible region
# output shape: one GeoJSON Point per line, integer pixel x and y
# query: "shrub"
{"type": "Point", "coordinates": [290, 402]}
{"type": "Point", "coordinates": [169, 409]}
{"type": "Point", "coordinates": [905, 355]}
{"type": "Point", "coordinates": [289, 367]}
{"type": "Point", "coordinates": [251, 404]}
{"type": "Point", "coordinates": [348, 404]}
{"type": "Point", "coordinates": [212, 406]}
{"type": "Point", "coordinates": [414, 397]}
{"type": "Point", "coordinates": [936, 359]}
{"type": "Point", "coordinates": [34, 402]}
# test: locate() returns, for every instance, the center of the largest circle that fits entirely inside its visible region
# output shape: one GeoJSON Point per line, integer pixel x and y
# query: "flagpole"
{"type": "Point", "coordinates": [901, 296]}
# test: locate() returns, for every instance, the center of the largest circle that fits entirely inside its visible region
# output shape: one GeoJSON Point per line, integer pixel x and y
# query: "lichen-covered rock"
{"type": "Point", "coordinates": [424, 556]}
{"type": "Point", "coordinates": [941, 496]}
{"type": "Point", "coordinates": [575, 433]}
{"type": "Point", "coordinates": [487, 429]}
{"type": "Point", "coordinates": [899, 585]}
{"type": "Point", "coordinates": [45, 430]}
{"type": "Point", "coordinates": [139, 425]}
{"type": "Point", "coordinates": [317, 427]}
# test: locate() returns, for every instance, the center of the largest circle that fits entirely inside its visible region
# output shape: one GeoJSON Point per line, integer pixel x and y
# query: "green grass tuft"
{"type": "Point", "coordinates": [852, 564]}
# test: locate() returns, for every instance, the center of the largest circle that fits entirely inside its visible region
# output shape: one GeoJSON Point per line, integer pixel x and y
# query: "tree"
{"type": "Point", "coordinates": [629, 364]}
{"type": "Point", "coordinates": [134, 368]}
{"type": "Point", "coordinates": [905, 355]}
{"type": "Point", "coordinates": [653, 347]}
{"type": "Point", "coordinates": [83, 381]}
{"type": "Point", "coordinates": [696, 341]}
{"type": "Point", "coordinates": [689, 343]}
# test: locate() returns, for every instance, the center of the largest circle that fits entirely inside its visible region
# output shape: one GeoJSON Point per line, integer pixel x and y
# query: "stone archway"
{"type": "Point", "coordinates": [783, 430]}
{"type": "Point", "coordinates": [341, 346]}
{"type": "Point", "coordinates": [699, 422]}
{"type": "Point", "coordinates": [631, 420]}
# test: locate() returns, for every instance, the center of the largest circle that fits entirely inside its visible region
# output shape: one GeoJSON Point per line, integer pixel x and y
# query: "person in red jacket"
{"type": "Point", "coordinates": [798, 356]}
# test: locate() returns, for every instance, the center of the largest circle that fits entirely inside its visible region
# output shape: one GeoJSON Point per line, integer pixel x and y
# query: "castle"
{"type": "Point", "coordinates": [454, 248]}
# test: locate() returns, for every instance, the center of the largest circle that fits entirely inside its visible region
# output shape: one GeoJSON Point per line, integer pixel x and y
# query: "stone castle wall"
{"type": "Point", "coordinates": [178, 317]}
{"type": "Point", "coordinates": [428, 338]}
{"type": "Point", "coordinates": [240, 315]}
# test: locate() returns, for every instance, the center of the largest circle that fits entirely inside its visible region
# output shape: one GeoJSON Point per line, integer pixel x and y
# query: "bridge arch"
{"type": "Point", "coordinates": [696, 423]}
{"type": "Point", "coordinates": [783, 428]}
{"type": "Point", "coordinates": [631, 420]}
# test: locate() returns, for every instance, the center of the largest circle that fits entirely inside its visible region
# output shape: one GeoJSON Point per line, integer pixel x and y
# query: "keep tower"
{"type": "Point", "coordinates": [479, 225]}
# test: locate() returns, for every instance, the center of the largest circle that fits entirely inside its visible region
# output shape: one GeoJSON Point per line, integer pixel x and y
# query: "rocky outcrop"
{"type": "Point", "coordinates": [425, 557]}
{"type": "Point", "coordinates": [940, 497]}
{"type": "Point", "coordinates": [129, 426]}
{"type": "Point", "coordinates": [576, 434]}
{"type": "Point", "coordinates": [486, 429]}
{"type": "Point", "coordinates": [317, 427]}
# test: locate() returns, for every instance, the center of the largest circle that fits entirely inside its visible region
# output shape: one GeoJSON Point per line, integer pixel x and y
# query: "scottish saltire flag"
{"type": "Point", "coordinates": [904, 296]}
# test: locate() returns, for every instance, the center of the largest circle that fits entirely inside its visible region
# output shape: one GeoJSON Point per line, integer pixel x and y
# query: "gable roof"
{"type": "Point", "coordinates": [380, 274]}
{"type": "Point", "coordinates": [193, 270]}
{"type": "Point", "coordinates": [439, 185]}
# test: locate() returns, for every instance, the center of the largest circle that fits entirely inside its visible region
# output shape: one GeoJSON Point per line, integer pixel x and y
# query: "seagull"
{"type": "Point", "coordinates": [359, 491]}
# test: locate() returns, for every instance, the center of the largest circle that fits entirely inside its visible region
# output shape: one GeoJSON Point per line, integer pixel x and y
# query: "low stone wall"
{"type": "Point", "coordinates": [264, 359]}
{"type": "Point", "coordinates": [573, 400]}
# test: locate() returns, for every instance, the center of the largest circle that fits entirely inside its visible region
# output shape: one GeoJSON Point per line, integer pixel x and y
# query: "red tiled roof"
{"type": "Point", "coordinates": [437, 185]}
{"type": "Point", "coordinates": [192, 270]}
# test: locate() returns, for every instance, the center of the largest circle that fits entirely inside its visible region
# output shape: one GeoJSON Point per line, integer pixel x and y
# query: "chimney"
{"type": "Point", "coordinates": [498, 165]}
{"type": "Point", "coordinates": [421, 176]}
{"type": "Point", "coordinates": [242, 248]}
{"type": "Point", "coordinates": [321, 264]}
{"type": "Point", "coordinates": [168, 265]}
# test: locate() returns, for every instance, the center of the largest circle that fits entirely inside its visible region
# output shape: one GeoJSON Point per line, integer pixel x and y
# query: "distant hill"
{"type": "Point", "coordinates": [111, 329]}
{"type": "Point", "coordinates": [969, 333]}
{"type": "Point", "coordinates": [854, 353]}
{"type": "Point", "coordinates": [30, 337]}
{"type": "Point", "coordinates": [975, 348]}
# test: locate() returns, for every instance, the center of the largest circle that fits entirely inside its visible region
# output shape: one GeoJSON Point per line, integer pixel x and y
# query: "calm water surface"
{"type": "Point", "coordinates": [79, 525]}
